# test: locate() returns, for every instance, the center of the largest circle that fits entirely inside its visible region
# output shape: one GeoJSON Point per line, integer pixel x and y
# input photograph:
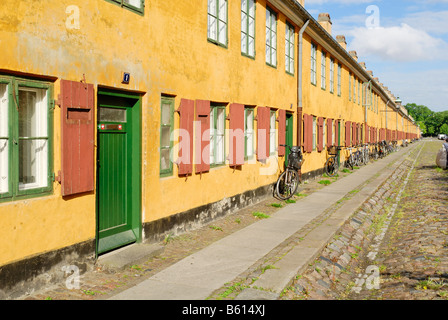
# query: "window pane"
{"type": "Point", "coordinates": [251, 47]}
{"type": "Point", "coordinates": [33, 154]}
{"type": "Point", "coordinates": [212, 136]}
{"type": "Point", "coordinates": [244, 43]}
{"type": "Point", "coordinates": [252, 27]}
{"type": "Point", "coordinates": [3, 110]}
{"type": "Point", "coordinates": [222, 32]}
{"type": "Point", "coordinates": [252, 8]}
{"type": "Point", "coordinates": [220, 120]}
{"type": "Point", "coordinates": [243, 22]}
{"type": "Point", "coordinates": [165, 139]}
{"type": "Point", "coordinates": [4, 176]}
{"type": "Point", "coordinates": [33, 167]}
{"type": "Point", "coordinates": [212, 8]}
{"type": "Point", "coordinates": [111, 114]}
{"type": "Point", "coordinates": [166, 113]}
{"type": "Point", "coordinates": [219, 136]}
{"type": "Point", "coordinates": [135, 3]}
{"type": "Point", "coordinates": [249, 132]}
{"type": "Point", "coordinates": [4, 134]}
{"type": "Point", "coordinates": [212, 24]}
{"type": "Point", "coordinates": [272, 137]}
{"type": "Point", "coordinates": [223, 10]}
{"type": "Point", "coordinates": [165, 159]}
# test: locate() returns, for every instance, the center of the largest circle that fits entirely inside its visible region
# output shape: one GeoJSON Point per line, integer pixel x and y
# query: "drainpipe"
{"type": "Point", "coordinates": [386, 115]}
{"type": "Point", "coordinates": [365, 111]}
{"type": "Point", "coordinates": [299, 84]}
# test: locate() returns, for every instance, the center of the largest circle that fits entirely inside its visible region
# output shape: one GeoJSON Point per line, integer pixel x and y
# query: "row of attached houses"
{"type": "Point", "coordinates": [122, 121]}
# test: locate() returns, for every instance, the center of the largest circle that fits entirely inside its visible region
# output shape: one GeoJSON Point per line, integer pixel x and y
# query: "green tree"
{"type": "Point", "coordinates": [422, 126]}
{"type": "Point", "coordinates": [418, 112]}
{"type": "Point", "coordinates": [431, 123]}
{"type": "Point", "coordinates": [444, 129]}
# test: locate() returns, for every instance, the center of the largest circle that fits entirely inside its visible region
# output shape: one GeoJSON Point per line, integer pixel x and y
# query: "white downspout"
{"type": "Point", "coordinates": [299, 93]}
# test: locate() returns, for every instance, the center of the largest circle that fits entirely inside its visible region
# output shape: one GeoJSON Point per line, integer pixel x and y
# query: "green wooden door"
{"type": "Point", "coordinates": [118, 172]}
{"type": "Point", "coordinates": [289, 134]}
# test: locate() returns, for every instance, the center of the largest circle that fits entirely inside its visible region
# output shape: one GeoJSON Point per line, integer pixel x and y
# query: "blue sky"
{"type": "Point", "coordinates": [404, 43]}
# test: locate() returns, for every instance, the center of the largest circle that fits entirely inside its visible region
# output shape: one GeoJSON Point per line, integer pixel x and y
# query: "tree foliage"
{"type": "Point", "coordinates": [430, 122]}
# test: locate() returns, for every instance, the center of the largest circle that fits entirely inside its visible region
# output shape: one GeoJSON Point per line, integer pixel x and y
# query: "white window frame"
{"type": "Point", "coordinates": [217, 134]}
{"type": "Point", "coordinates": [323, 70]}
{"type": "Point", "coordinates": [313, 63]}
{"type": "Point", "coordinates": [289, 48]}
{"type": "Point", "coordinates": [217, 21]}
{"type": "Point", "coordinates": [271, 37]}
{"type": "Point", "coordinates": [39, 139]}
{"type": "Point", "coordinates": [272, 132]}
{"type": "Point", "coordinates": [249, 132]}
{"type": "Point", "coordinates": [248, 28]}
{"type": "Point", "coordinates": [331, 75]}
{"type": "Point", "coordinates": [339, 79]}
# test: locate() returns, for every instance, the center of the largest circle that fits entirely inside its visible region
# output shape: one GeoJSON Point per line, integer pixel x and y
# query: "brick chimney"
{"type": "Point", "coordinates": [325, 21]}
{"type": "Point", "coordinates": [341, 40]}
{"type": "Point", "coordinates": [354, 55]}
{"type": "Point", "coordinates": [370, 73]}
{"type": "Point", "coordinates": [363, 64]}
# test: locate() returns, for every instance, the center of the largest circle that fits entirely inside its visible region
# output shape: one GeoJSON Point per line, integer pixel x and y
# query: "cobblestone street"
{"type": "Point", "coordinates": [394, 247]}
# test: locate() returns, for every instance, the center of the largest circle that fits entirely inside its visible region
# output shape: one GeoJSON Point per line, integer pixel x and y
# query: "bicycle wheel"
{"type": "Point", "coordinates": [351, 161]}
{"type": "Point", "coordinates": [331, 166]}
{"type": "Point", "coordinates": [287, 184]}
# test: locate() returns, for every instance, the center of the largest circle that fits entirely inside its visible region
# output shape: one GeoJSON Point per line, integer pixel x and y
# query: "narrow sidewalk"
{"type": "Point", "coordinates": [197, 276]}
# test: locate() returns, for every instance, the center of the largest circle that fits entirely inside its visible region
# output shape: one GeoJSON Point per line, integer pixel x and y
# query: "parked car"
{"type": "Point", "coordinates": [442, 136]}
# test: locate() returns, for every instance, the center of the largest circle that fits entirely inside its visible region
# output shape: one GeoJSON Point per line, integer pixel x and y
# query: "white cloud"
{"type": "Point", "coordinates": [400, 43]}
{"type": "Point", "coordinates": [429, 21]}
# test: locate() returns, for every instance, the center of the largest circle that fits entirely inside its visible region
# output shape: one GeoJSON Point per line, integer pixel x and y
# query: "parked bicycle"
{"type": "Point", "coordinates": [333, 162]}
{"type": "Point", "coordinates": [374, 152]}
{"type": "Point", "coordinates": [382, 151]}
{"type": "Point", "coordinates": [288, 182]}
{"type": "Point", "coordinates": [365, 154]}
{"type": "Point", "coordinates": [351, 158]}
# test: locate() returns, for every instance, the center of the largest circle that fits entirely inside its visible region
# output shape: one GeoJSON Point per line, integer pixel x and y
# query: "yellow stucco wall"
{"type": "Point", "coordinates": [167, 52]}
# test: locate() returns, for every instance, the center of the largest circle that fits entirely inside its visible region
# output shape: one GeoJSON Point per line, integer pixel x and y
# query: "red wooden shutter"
{"type": "Point", "coordinates": [77, 137]}
{"type": "Point", "coordinates": [236, 135]}
{"type": "Point", "coordinates": [202, 136]}
{"type": "Point", "coordinates": [329, 132]}
{"type": "Point", "coordinates": [347, 133]}
{"type": "Point", "coordinates": [320, 134]}
{"type": "Point", "coordinates": [306, 133]}
{"type": "Point", "coordinates": [186, 113]}
{"type": "Point", "coordinates": [366, 135]}
{"type": "Point", "coordinates": [354, 134]}
{"type": "Point", "coordinates": [310, 133]}
{"type": "Point", "coordinates": [281, 132]}
{"type": "Point", "coordinates": [263, 114]}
